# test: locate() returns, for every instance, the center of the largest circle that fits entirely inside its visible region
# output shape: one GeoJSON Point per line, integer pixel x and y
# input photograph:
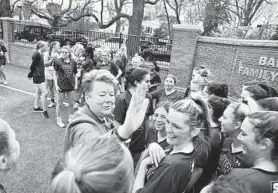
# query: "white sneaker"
{"type": "Point", "coordinates": [70, 118]}
{"type": "Point", "coordinates": [60, 122]}
{"type": "Point", "coordinates": [5, 82]}
{"type": "Point", "coordinates": [51, 105]}
{"type": "Point", "coordinates": [66, 104]}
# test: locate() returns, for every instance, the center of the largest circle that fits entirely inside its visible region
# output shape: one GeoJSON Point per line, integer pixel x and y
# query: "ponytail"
{"type": "Point", "coordinates": [65, 182]}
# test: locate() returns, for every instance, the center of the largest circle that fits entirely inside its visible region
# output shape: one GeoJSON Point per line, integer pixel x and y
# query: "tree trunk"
{"type": "Point", "coordinates": [135, 25]}
{"type": "Point", "coordinates": [5, 8]}
{"type": "Point", "coordinates": [135, 22]}
{"type": "Point", "coordinates": [118, 26]}
{"type": "Point", "coordinates": [168, 19]}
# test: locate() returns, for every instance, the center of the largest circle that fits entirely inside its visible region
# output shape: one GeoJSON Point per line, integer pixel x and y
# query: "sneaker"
{"type": "Point", "coordinates": [60, 122]}
{"type": "Point", "coordinates": [66, 104]}
{"type": "Point", "coordinates": [70, 118]}
{"type": "Point", "coordinates": [5, 82]}
{"type": "Point", "coordinates": [51, 105]}
{"type": "Point", "coordinates": [45, 114]}
{"type": "Point", "coordinates": [38, 110]}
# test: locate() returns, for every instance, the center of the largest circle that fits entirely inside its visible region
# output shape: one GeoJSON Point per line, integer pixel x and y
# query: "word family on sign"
{"type": "Point", "coordinates": [268, 72]}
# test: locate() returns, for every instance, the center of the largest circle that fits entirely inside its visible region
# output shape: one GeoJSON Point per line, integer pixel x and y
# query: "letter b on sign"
{"type": "Point", "coordinates": [262, 61]}
{"type": "Point", "coordinates": [274, 187]}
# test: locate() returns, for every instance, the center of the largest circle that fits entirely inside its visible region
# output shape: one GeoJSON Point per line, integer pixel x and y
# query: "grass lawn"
{"type": "Point", "coordinates": [40, 139]}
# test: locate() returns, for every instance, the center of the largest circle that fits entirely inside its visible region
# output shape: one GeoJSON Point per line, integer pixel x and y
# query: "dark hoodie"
{"type": "Point", "coordinates": [84, 124]}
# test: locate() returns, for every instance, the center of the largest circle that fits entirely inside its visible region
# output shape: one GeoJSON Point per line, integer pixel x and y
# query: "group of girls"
{"type": "Point", "coordinates": [57, 72]}
{"type": "Point", "coordinates": [196, 142]}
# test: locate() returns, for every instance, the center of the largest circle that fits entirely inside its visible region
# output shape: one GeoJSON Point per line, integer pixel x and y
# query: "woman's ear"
{"type": "Point", "coordinates": [265, 144]}
{"type": "Point", "coordinates": [3, 162]}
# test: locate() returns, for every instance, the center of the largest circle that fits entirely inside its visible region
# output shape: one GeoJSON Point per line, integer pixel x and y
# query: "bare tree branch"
{"type": "Point", "coordinates": [13, 5]}
{"type": "Point", "coordinates": [39, 14]}
{"type": "Point", "coordinates": [151, 2]}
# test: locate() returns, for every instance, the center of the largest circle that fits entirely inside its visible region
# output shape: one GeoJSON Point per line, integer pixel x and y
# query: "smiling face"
{"type": "Point", "coordinates": [159, 118]}
{"type": "Point", "coordinates": [247, 138]}
{"type": "Point", "coordinates": [101, 99]}
{"type": "Point", "coordinates": [169, 83]}
{"type": "Point", "coordinates": [178, 131]}
{"type": "Point", "coordinates": [65, 53]}
{"type": "Point", "coordinates": [227, 121]}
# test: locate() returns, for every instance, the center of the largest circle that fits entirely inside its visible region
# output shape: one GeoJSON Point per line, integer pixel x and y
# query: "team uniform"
{"type": "Point", "coordinates": [261, 181]}
{"type": "Point", "coordinates": [172, 175]}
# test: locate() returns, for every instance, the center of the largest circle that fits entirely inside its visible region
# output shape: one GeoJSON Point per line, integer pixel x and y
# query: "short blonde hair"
{"type": "Point", "coordinates": [97, 75]}
{"type": "Point", "coordinates": [101, 164]}
{"type": "Point", "coordinates": [41, 44]}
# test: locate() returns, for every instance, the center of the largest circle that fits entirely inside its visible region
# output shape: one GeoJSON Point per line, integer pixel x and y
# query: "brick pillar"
{"type": "Point", "coordinates": [7, 32]}
{"type": "Point", "coordinates": [183, 52]}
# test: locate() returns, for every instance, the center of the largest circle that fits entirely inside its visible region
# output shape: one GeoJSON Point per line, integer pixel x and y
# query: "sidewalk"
{"type": "Point", "coordinates": [17, 78]}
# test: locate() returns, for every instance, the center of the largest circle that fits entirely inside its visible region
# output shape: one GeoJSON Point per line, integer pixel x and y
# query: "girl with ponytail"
{"type": "Point", "coordinates": [259, 136]}
{"type": "Point", "coordinates": [185, 120]}
{"type": "Point", "coordinates": [100, 164]}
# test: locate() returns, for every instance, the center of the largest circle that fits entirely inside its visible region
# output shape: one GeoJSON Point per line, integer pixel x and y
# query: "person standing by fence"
{"type": "Point", "coordinates": [37, 73]}
{"type": "Point", "coordinates": [4, 58]}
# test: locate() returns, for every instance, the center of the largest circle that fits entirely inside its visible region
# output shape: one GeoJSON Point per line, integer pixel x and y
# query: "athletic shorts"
{"type": "Point", "coordinates": [38, 79]}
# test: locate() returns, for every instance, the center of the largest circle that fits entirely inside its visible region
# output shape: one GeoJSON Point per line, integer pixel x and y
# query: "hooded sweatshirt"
{"type": "Point", "coordinates": [85, 124]}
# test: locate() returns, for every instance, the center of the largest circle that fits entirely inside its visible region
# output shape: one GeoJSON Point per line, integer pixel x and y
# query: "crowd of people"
{"type": "Point", "coordinates": [129, 132]}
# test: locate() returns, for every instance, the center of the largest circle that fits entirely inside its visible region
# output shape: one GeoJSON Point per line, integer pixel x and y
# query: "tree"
{"type": "Point", "coordinates": [176, 6]}
{"type": "Point", "coordinates": [215, 15]}
{"type": "Point", "coordinates": [57, 16]}
{"type": "Point", "coordinates": [245, 10]}
{"type": "Point", "coordinates": [117, 8]}
{"type": "Point", "coordinates": [5, 8]}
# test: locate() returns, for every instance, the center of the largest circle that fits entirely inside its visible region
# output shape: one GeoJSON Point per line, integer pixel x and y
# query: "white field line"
{"type": "Point", "coordinates": [22, 91]}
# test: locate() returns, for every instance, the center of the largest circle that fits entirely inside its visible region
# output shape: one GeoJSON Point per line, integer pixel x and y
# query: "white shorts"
{"type": "Point", "coordinates": [49, 74]}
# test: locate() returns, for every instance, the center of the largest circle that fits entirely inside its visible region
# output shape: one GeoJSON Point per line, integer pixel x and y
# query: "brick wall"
{"type": "Point", "coordinates": [231, 61]}
{"type": "Point", "coordinates": [21, 54]}
{"type": "Point", "coordinates": [237, 61]}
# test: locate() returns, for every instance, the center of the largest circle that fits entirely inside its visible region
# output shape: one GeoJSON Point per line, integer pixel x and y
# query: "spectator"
{"type": "Point", "coordinates": [101, 164]}
{"type": "Point", "coordinates": [259, 136]}
{"type": "Point", "coordinates": [135, 77]}
{"type": "Point", "coordinates": [155, 78]}
{"type": "Point", "coordinates": [4, 58]}
{"type": "Point", "coordinates": [65, 82]}
{"type": "Point", "coordinates": [95, 118]}
{"type": "Point", "coordinates": [184, 120]}
{"type": "Point", "coordinates": [258, 92]}
{"type": "Point", "coordinates": [232, 150]}
{"type": "Point", "coordinates": [37, 73]}
{"type": "Point", "coordinates": [200, 78]}
{"type": "Point", "coordinates": [169, 92]}
{"type": "Point", "coordinates": [9, 150]}
{"type": "Point", "coordinates": [220, 90]}
{"type": "Point", "coordinates": [121, 62]}
{"type": "Point", "coordinates": [49, 58]}
{"type": "Point", "coordinates": [206, 169]}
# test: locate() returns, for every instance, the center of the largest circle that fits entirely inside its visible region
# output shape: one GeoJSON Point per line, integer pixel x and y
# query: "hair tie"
{"type": "Point", "coordinates": [76, 171]}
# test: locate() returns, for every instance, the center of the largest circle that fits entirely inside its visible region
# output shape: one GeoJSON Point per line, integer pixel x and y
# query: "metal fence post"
{"type": "Point", "coordinates": [120, 43]}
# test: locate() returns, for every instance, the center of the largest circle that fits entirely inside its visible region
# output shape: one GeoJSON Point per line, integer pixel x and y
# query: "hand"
{"type": "Point", "coordinates": [136, 111]}
{"type": "Point", "coordinates": [156, 153]}
{"type": "Point", "coordinates": [75, 87]}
